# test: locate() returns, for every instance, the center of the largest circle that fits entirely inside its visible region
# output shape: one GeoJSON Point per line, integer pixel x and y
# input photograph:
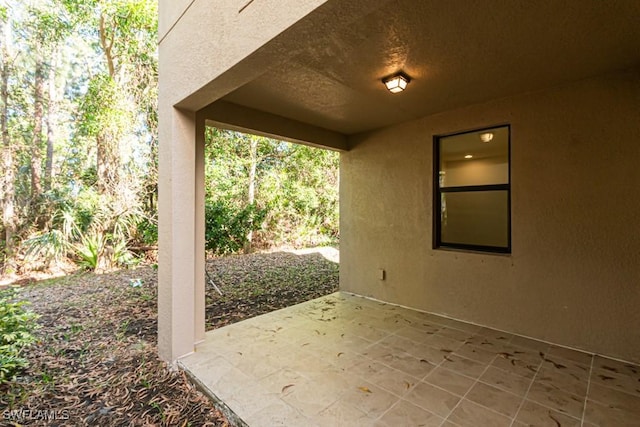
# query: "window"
{"type": "Point", "coordinates": [472, 191]}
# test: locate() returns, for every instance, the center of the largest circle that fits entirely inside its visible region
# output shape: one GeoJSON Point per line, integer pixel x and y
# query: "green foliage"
{"type": "Point", "coordinates": [147, 231]}
{"type": "Point", "coordinates": [89, 250]}
{"type": "Point", "coordinates": [49, 246]}
{"type": "Point", "coordinates": [121, 255]}
{"type": "Point", "coordinates": [98, 59]}
{"type": "Point", "coordinates": [100, 107]}
{"type": "Point", "coordinates": [94, 234]}
{"type": "Point", "coordinates": [296, 185]}
{"type": "Point", "coordinates": [16, 333]}
{"type": "Point", "coordinates": [227, 227]}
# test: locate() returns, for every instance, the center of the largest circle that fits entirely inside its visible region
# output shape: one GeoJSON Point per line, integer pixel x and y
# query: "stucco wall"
{"type": "Point", "coordinates": [573, 277]}
{"type": "Point", "coordinates": [220, 35]}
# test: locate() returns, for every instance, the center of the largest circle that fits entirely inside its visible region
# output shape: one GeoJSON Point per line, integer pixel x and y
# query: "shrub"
{"type": "Point", "coordinates": [226, 227]}
{"type": "Point", "coordinates": [89, 250]}
{"type": "Point", "coordinates": [16, 327]}
{"type": "Point", "coordinates": [147, 231]}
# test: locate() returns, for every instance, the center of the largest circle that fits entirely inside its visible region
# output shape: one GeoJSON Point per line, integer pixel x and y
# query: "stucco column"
{"type": "Point", "coordinates": [181, 234]}
{"type": "Point", "coordinates": [199, 238]}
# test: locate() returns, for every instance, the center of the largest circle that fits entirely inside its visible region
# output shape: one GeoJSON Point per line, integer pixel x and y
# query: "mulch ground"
{"type": "Point", "coordinates": [95, 362]}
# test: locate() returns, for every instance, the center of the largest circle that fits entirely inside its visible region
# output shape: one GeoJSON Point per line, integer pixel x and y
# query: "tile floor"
{"type": "Point", "coordinates": [344, 360]}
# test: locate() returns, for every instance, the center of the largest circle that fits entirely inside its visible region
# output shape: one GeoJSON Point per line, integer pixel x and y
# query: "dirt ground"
{"type": "Point", "coordinates": [95, 362]}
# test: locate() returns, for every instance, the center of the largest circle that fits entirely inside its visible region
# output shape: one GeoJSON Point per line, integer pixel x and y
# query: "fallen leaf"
{"type": "Point", "coordinates": [364, 389]}
{"type": "Point", "coordinates": [287, 387]}
{"type": "Point", "coordinates": [340, 354]}
{"type": "Point", "coordinates": [556, 421]}
{"type": "Point", "coordinates": [556, 365]}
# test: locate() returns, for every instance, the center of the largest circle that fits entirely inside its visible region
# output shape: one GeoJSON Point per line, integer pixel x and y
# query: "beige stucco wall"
{"type": "Point", "coordinates": [201, 41]}
{"type": "Point", "coordinates": [573, 277]}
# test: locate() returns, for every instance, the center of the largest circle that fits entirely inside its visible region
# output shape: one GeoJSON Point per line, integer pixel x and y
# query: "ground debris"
{"type": "Point", "coordinates": [263, 282]}
{"type": "Point", "coordinates": [96, 360]}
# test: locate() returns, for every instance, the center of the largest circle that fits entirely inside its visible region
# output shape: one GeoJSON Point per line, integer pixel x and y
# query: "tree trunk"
{"type": "Point", "coordinates": [8, 182]}
{"type": "Point", "coordinates": [36, 141]}
{"type": "Point", "coordinates": [108, 163]}
{"type": "Point", "coordinates": [52, 111]}
{"type": "Point", "coordinates": [108, 156]}
{"type": "Point", "coordinates": [252, 184]}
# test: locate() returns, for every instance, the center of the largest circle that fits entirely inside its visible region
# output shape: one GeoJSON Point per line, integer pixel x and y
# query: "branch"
{"type": "Point", "coordinates": [105, 47]}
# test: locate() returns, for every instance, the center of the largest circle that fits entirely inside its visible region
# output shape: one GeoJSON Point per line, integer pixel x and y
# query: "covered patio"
{"type": "Point", "coordinates": [345, 360]}
{"type": "Point", "coordinates": [555, 84]}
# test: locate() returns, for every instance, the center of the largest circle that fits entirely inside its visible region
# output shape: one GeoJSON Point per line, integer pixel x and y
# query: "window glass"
{"type": "Point", "coordinates": [473, 191]}
{"type": "Point", "coordinates": [465, 159]}
{"type": "Point", "coordinates": [476, 218]}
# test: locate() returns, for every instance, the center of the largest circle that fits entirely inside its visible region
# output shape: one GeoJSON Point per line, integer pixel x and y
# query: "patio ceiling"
{"type": "Point", "coordinates": [457, 53]}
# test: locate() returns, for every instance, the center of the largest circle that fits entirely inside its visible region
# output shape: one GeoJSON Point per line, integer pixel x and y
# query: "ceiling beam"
{"type": "Point", "coordinates": [227, 115]}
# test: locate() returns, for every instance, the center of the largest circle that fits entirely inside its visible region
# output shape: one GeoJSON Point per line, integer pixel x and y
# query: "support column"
{"type": "Point", "coordinates": [180, 259]}
{"type": "Point", "coordinates": [199, 238]}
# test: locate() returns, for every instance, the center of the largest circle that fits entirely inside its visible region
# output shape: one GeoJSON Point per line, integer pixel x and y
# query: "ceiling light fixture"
{"type": "Point", "coordinates": [396, 82]}
{"type": "Point", "coordinates": [486, 137]}
{"type": "Point", "coordinates": [468, 156]}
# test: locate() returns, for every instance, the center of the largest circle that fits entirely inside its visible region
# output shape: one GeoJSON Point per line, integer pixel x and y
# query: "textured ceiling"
{"type": "Point", "coordinates": [458, 52]}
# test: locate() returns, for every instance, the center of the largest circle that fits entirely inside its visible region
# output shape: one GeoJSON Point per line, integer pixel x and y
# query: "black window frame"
{"type": "Point", "coordinates": [438, 191]}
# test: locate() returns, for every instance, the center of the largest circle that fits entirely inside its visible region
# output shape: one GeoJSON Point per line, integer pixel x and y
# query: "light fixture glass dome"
{"type": "Point", "coordinates": [486, 137]}
{"type": "Point", "coordinates": [396, 82]}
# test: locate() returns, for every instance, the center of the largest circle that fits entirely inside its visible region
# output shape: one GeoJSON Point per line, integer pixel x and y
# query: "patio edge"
{"type": "Point", "coordinates": [232, 417]}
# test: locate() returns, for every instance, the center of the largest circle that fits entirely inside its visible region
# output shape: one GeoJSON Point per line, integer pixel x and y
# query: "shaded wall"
{"type": "Point", "coordinates": [573, 277]}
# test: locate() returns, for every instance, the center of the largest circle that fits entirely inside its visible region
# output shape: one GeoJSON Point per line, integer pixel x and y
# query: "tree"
{"type": "Point", "coordinates": [7, 191]}
{"type": "Point", "coordinates": [293, 187]}
{"type": "Point", "coordinates": [79, 123]}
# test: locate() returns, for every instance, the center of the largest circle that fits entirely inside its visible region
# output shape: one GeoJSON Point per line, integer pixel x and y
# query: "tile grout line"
{"type": "Point", "coordinates": [422, 379]}
{"type": "Point", "coordinates": [401, 398]}
{"type": "Point", "coordinates": [476, 381]}
{"type": "Point", "coordinates": [586, 396]}
{"type": "Point", "coordinates": [524, 398]}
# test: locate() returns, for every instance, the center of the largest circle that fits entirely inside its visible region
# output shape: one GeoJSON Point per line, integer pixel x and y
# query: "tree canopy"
{"type": "Point", "coordinates": [78, 147]}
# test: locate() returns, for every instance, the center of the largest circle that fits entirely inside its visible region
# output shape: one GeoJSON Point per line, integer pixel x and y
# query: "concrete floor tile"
{"type": "Point", "coordinates": [404, 413]}
{"type": "Point", "coordinates": [506, 381]}
{"type": "Point", "coordinates": [605, 415]}
{"type": "Point", "coordinates": [469, 414]}
{"type": "Point", "coordinates": [342, 414]}
{"type": "Point", "coordinates": [491, 397]}
{"type": "Point", "coordinates": [368, 398]}
{"type": "Point", "coordinates": [279, 415]}
{"type": "Point", "coordinates": [556, 399]}
{"type": "Point", "coordinates": [476, 353]}
{"type": "Point", "coordinates": [345, 360]}
{"type": "Point", "coordinates": [533, 414]}
{"type": "Point", "coordinates": [310, 397]}
{"type": "Point", "coordinates": [433, 399]}
{"type": "Point", "coordinates": [569, 354]}
{"type": "Point", "coordinates": [450, 381]}
{"type": "Point", "coordinates": [464, 366]}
